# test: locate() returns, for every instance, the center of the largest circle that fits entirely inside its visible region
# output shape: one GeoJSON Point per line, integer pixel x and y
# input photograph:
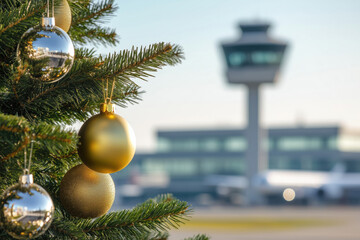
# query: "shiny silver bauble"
{"type": "Point", "coordinates": [26, 209]}
{"type": "Point", "coordinates": [46, 52]}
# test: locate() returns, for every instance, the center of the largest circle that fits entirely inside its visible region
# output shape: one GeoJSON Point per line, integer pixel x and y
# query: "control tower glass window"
{"type": "Point", "coordinates": [240, 56]}
{"type": "Point", "coordinates": [237, 58]}
{"type": "Point", "coordinates": [265, 57]}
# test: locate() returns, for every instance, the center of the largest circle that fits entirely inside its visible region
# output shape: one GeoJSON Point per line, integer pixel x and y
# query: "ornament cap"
{"type": "Point", "coordinates": [107, 107]}
{"type": "Point", "coordinates": [26, 179]}
{"type": "Point", "coordinates": [48, 22]}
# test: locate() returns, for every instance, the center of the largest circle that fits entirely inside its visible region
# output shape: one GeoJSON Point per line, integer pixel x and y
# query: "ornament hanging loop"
{"type": "Point", "coordinates": [107, 106]}
{"type": "Point", "coordinates": [112, 88]}
{"type": "Point", "coordinates": [49, 20]}
{"type": "Point", "coordinates": [107, 98]}
{"type": "Point", "coordinates": [27, 161]}
{"type": "Point", "coordinates": [48, 12]}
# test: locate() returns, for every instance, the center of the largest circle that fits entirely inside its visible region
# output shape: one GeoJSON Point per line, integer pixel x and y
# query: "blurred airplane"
{"type": "Point", "coordinates": [312, 186]}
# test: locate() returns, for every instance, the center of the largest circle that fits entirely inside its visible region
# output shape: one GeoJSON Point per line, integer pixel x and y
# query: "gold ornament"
{"type": "Point", "coordinates": [107, 141]}
{"type": "Point", "coordinates": [85, 193]}
{"type": "Point", "coordinates": [63, 15]}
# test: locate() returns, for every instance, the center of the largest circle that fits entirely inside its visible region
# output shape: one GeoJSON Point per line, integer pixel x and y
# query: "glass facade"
{"type": "Point", "coordinates": [210, 144]}
{"type": "Point", "coordinates": [227, 166]}
{"type": "Point", "coordinates": [299, 143]}
{"type": "Point", "coordinates": [235, 144]}
{"type": "Point", "coordinates": [182, 167]}
{"type": "Point", "coordinates": [254, 55]}
{"type": "Point", "coordinates": [198, 153]}
{"type": "Point", "coordinates": [238, 144]}
{"type": "Point", "coordinates": [171, 166]}
{"type": "Point", "coordinates": [237, 59]}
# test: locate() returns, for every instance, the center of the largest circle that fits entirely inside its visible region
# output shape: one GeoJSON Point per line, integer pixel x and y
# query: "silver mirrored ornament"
{"type": "Point", "coordinates": [46, 51]}
{"type": "Point", "coordinates": [26, 209]}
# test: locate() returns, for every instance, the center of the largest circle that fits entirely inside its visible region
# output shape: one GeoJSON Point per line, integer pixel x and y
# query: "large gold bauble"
{"type": "Point", "coordinates": [63, 15]}
{"type": "Point", "coordinates": [107, 141]}
{"type": "Point", "coordinates": [85, 193]}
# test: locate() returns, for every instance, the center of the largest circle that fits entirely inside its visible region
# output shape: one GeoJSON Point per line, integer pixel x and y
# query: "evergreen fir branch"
{"type": "Point", "coordinates": [159, 214]}
{"type": "Point", "coordinates": [137, 63]}
{"type": "Point", "coordinates": [64, 229]}
{"type": "Point", "coordinates": [11, 18]}
{"type": "Point", "coordinates": [85, 27]}
{"type": "Point", "coordinates": [29, 109]}
{"type": "Point", "coordinates": [79, 94]}
{"type": "Point", "coordinates": [20, 72]}
{"type": "Point", "coordinates": [14, 22]}
{"type": "Point", "coordinates": [157, 236]}
{"type": "Point", "coordinates": [122, 97]}
{"type": "Point", "coordinates": [97, 34]}
{"type": "Point", "coordinates": [16, 133]}
{"type": "Point", "coordinates": [84, 53]}
{"type": "Point", "coordinates": [6, 4]}
{"type": "Point", "coordinates": [198, 237]}
{"type": "Point", "coordinates": [13, 136]}
{"type": "Point", "coordinates": [93, 13]}
{"type": "Point", "coordinates": [20, 147]}
{"type": "Point", "coordinates": [68, 155]}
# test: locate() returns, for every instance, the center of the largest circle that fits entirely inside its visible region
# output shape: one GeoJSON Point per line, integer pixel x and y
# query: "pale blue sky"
{"type": "Point", "coordinates": [319, 84]}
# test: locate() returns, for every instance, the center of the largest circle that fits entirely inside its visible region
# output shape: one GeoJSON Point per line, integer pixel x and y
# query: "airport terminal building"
{"type": "Point", "coordinates": [208, 166]}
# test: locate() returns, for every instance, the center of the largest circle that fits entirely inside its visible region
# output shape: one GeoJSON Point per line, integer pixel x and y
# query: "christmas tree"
{"type": "Point", "coordinates": [35, 116]}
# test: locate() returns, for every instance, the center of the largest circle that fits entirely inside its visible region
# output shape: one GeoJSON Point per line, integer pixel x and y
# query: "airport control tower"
{"type": "Point", "coordinates": [253, 59]}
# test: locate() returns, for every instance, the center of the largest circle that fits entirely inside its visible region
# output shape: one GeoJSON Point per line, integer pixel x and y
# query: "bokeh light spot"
{"type": "Point", "coordinates": [289, 194]}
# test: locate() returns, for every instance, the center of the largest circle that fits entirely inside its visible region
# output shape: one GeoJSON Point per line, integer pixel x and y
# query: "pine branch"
{"type": "Point", "coordinates": [11, 18]}
{"type": "Point", "coordinates": [198, 237]}
{"type": "Point", "coordinates": [157, 236]}
{"type": "Point", "coordinates": [93, 13]}
{"type": "Point", "coordinates": [159, 214]}
{"type": "Point", "coordinates": [137, 63]}
{"type": "Point", "coordinates": [14, 22]}
{"type": "Point", "coordinates": [147, 221]}
{"type": "Point", "coordinates": [97, 34]}
{"type": "Point", "coordinates": [84, 53]}
{"type": "Point", "coordinates": [79, 94]}
{"type": "Point", "coordinates": [62, 228]}
{"type": "Point", "coordinates": [85, 27]}
{"type": "Point", "coordinates": [16, 133]}
{"type": "Point", "coordinates": [29, 109]}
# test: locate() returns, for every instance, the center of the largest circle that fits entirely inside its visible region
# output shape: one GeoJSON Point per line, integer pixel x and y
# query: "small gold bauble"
{"type": "Point", "coordinates": [85, 193]}
{"type": "Point", "coordinates": [107, 141]}
{"type": "Point", "coordinates": [63, 15]}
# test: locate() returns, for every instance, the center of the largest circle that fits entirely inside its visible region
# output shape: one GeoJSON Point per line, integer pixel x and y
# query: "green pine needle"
{"type": "Point", "coordinates": [33, 111]}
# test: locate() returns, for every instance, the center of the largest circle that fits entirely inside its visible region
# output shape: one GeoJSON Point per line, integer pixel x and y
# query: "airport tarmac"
{"type": "Point", "coordinates": [273, 223]}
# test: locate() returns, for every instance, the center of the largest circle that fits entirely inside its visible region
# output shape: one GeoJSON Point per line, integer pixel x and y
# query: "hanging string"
{"type": "Point", "coordinates": [108, 99]}
{"type": "Point", "coordinates": [53, 9]}
{"type": "Point", "coordinates": [27, 161]}
{"type": "Point", "coordinates": [112, 89]}
{"type": "Point", "coordinates": [104, 92]}
{"type": "Point", "coordinates": [25, 158]}
{"type": "Point", "coordinates": [48, 8]}
{"type": "Point", "coordinates": [31, 150]}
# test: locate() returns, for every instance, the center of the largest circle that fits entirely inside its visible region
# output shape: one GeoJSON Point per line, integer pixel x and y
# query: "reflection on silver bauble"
{"type": "Point", "coordinates": [26, 209]}
{"type": "Point", "coordinates": [46, 52]}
